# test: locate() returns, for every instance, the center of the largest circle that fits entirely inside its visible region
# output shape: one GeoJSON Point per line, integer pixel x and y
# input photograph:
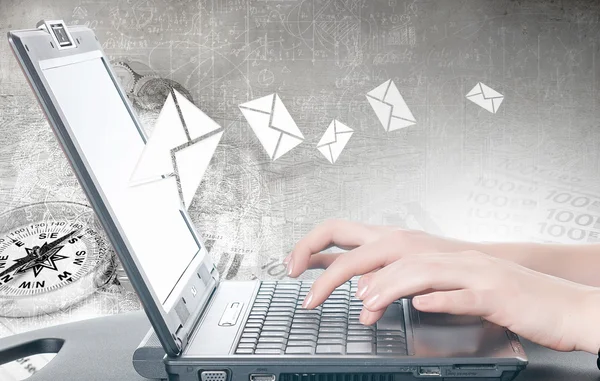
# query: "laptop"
{"type": "Point", "coordinates": [213, 330]}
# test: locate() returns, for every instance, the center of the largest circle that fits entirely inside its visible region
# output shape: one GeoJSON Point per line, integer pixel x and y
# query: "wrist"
{"type": "Point", "coordinates": [589, 331]}
{"type": "Point", "coordinates": [519, 253]}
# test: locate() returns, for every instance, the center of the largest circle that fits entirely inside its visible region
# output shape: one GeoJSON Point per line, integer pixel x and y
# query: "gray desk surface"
{"type": "Point", "coordinates": [101, 349]}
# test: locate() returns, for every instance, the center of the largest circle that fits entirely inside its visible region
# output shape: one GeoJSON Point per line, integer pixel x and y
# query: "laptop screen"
{"type": "Point", "coordinates": [111, 145]}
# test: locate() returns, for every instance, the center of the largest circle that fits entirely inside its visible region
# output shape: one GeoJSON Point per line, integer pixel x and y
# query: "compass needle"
{"type": "Point", "coordinates": [51, 263]}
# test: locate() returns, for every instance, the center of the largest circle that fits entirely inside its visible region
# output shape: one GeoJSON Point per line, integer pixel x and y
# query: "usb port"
{"type": "Point", "coordinates": [429, 371]}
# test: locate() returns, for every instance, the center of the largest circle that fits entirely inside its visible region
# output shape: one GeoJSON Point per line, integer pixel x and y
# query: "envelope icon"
{"type": "Point", "coordinates": [272, 124]}
{"type": "Point", "coordinates": [182, 145]}
{"type": "Point", "coordinates": [389, 106]}
{"type": "Point", "coordinates": [485, 97]}
{"type": "Point", "coordinates": [334, 140]}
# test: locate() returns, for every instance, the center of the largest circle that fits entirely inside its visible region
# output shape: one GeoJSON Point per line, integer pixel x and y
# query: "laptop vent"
{"type": "Point", "coordinates": [339, 376]}
{"type": "Point", "coordinates": [506, 376]}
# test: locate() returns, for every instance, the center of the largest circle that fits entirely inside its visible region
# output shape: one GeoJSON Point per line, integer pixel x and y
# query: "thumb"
{"type": "Point", "coordinates": [456, 302]}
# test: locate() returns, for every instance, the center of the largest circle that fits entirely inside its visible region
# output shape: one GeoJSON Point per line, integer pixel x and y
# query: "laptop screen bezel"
{"type": "Point", "coordinates": [34, 46]}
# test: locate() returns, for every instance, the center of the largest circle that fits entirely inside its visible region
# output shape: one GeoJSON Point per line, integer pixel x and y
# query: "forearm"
{"type": "Point", "coordinates": [577, 263]}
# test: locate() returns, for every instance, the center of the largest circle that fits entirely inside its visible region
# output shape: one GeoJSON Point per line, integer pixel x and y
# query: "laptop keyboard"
{"type": "Point", "coordinates": [278, 325]}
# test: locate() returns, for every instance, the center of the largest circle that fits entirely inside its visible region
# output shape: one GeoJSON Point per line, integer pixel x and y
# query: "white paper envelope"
{"type": "Point", "coordinates": [389, 106]}
{"type": "Point", "coordinates": [182, 145]}
{"type": "Point", "coordinates": [334, 140]}
{"type": "Point", "coordinates": [272, 124]}
{"type": "Point", "coordinates": [485, 97]}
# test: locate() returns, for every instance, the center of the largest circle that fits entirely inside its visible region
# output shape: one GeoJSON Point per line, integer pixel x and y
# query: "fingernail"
{"type": "Point", "coordinates": [287, 259]}
{"type": "Point", "coordinates": [421, 300]}
{"type": "Point", "coordinates": [364, 314]}
{"type": "Point", "coordinates": [361, 291]}
{"type": "Point", "coordinates": [290, 267]}
{"type": "Point", "coordinates": [307, 300]}
{"type": "Point", "coordinates": [369, 302]}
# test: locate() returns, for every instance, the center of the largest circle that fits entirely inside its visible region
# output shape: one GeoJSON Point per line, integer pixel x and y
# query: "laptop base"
{"type": "Point", "coordinates": [149, 362]}
{"type": "Point", "coordinates": [288, 369]}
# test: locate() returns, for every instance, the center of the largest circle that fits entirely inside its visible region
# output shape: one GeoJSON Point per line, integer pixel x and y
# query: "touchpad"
{"type": "Point", "coordinates": [431, 320]}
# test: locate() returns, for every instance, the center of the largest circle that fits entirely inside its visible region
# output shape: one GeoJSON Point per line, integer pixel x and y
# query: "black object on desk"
{"type": "Point", "coordinates": [102, 349]}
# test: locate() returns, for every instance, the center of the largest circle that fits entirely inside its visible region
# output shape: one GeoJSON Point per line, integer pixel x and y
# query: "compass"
{"type": "Point", "coordinates": [52, 255]}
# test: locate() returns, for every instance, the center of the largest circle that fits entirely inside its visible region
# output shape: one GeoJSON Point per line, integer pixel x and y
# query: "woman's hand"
{"type": "Point", "coordinates": [352, 235]}
{"type": "Point", "coordinates": [448, 277]}
{"type": "Point", "coordinates": [550, 311]}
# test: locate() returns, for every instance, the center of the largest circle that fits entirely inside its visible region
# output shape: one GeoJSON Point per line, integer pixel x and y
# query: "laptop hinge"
{"type": "Point", "coordinates": [184, 332]}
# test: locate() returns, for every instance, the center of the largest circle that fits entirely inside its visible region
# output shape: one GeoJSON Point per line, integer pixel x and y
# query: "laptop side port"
{"type": "Point", "coordinates": [213, 375]}
{"type": "Point", "coordinates": [262, 377]}
{"type": "Point", "coordinates": [430, 371]}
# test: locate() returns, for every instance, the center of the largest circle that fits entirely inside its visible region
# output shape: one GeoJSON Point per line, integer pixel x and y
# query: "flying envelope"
{"type": "Point", "coordinates": [182, 145]}
{"type": "Point", "coordinates": [485, 97]}
{"type": "Point", "coordinates": [272, 124]}
{"type": "Point", "coordinates": [390, 107]}
{"type": "Point", "coordinates": [334, 140]}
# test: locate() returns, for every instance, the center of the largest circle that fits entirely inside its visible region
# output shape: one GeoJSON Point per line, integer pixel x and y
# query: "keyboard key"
{"type": "Point", "coordinates": [288, 310]}
{"type": "Point", "coordinates": [338, 329]}
{"type": "Point", "coordinates": [360, 348]}
{"type": "Point", "coordinates": [314, 325]}
{"type": "Point", "coordinates": [253, 328]}
{"type": "Point", "coordinates": [279, 313]}
{"type": "Point", "coordinates": [330, 313]}
{"type": "Point", "coordinates": [360, 327]}
{"type": "Point", "coordinates": [244, 351]}
{"type": "Point", "coordinates": [361, 338]}
{"type": "Point", "coordinates": [301, 343]}
{"type": "Point", "coordinates": [276, 327]}
{"type": "Point", "coordinates": [246, 345]}
{"type": "Point", "coordinates": [391, 339]}
{"type": "Point", "coordinates": [304, 331]}
{"type": "Point", "coordinates": [335, 312]}
{"type": "Point", "coordinates": [272, 323]}
{"type": "Point", "coordinates": [391, 351]}
{"type": "Point", "coordinates": [306, 320]}
{"type": "Point", "coordinates": [308, 313]}
{"type": "Point", "coordinates": [335, 304]}
{"type": "Point", "coordinates": [287, 317]}
{"type": "Point", "coordinates": [330, 335]}
{"type": "Point", "coordinates": [330, 349]}
{"type": "Point", "coordinates": [321, 341]}
{"type": "Point", "coordinates": [280, 304]}
{"type": "Point", "coordinates": [268, 351]}
{"type": "Point", "coordinates": [250, 335]}
{"type": "Point", "coordinates": [272, 340]}
{"type": "Point", "coordinates": [391, 345]}
{"type": "Point", "coordinates": [329, 316]}
{"type": "Point", "coordinates": [302, 337]}
{"type": "Point", "coordinates": [300, 350]}
{"type": "Point", "coordinates": [270, 346]}
{"type": "Point", "coordinates": [274, 334]}
{"type": "Point", "coordinates": [285, 298]}
{"type": "Point", "coordinates": [288, 285]}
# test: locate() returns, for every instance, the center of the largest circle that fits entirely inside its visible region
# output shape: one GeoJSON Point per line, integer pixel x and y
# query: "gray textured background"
{"type": "Point", "coordinates": [322, 57]}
